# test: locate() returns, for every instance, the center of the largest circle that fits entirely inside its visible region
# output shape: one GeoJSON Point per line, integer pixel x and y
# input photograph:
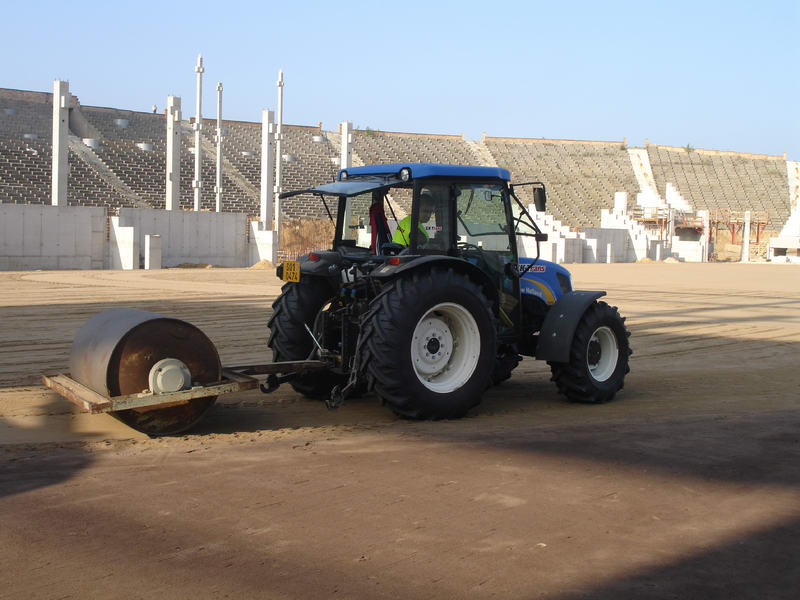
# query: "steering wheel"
{"type": "Point", "coordinates": [468, 246]}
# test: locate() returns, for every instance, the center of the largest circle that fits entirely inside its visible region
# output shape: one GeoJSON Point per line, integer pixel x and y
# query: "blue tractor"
{"type": "Point", "coordinates": [430, 310]}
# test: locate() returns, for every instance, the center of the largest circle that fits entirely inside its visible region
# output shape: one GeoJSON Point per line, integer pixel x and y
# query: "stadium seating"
{"type": "Point", "coordinates": [239, 138]}
{"type": "Point", "coordinates": [373, 147]}
{"type": "Point", "coordinates": [139, 126]}
{"type": "Point", "coordinates": [25, 177]}
{"type": "Point", "coordinates": [718, 181]}
{"type": "Point", "coordinates": [314, 164]}
{"type": "Point", "coordinates": [32, 117]}
{"type": "Point", "coordinates": [581, 177]}
{"type": "Point", "coordinates": [310, 162]}
{"type": "Point", "coordinates": [142, 171]}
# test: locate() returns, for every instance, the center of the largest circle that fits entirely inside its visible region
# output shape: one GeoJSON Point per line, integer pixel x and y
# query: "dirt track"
{"type": "Point", "coordinates": [686, 486]}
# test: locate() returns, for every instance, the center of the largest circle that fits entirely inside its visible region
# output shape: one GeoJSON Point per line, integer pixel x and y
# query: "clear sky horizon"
{"type": "Point", "coordinates": [721, 75]}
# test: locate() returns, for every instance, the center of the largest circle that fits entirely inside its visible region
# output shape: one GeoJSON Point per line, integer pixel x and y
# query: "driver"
{"type": "Point", "coordinates": [426, 207]}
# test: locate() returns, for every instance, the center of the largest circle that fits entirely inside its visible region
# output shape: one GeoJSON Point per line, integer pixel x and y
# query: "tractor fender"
{"type": "Point", "coordinates": [558, 329]}
{"type": "Point", "coordinates": [457, 264]}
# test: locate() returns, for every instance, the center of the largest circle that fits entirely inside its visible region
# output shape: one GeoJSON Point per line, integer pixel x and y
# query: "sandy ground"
{"type": "Point", "coordinates": [686, 486]}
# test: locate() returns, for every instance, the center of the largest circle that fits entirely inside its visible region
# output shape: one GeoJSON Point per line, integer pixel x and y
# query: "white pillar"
{"type": "Point", "coordinates": [346, 161]}
{"type": "Point", "coordinates": [347, 145]}
{"type": "Point", "coordinates": [197, 183]}
{"type": "Point", "coordinates": [609, 257]}
{"type": "Point", "coordinates": [60, 147]}
{"type": "Point", "coordinates": [267, 166]}
{"type": "Point", "coordinates": [670, 225]}
{"type": "Point", "coordinates": [705, 216]}
{"type": "Point", "coordinates": [746, 238]}
{"type": "Point", "coordinates": [218, 187]}
{"type": "Point", "coordinates": [276, 227]}
{"type": "Point", "coordinates": [152, 252]}
{"type": "Point", "coordinates": [123, 246]}
{"type": "Point", "coordinates": [173, 199]}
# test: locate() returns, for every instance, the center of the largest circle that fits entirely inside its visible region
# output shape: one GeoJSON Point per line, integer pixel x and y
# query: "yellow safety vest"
{"type": "Point", "coordinates": [403, 229]}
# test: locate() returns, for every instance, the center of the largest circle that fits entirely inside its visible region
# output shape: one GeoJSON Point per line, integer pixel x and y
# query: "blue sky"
{"type": "Point", "coordinates": [720, 75]}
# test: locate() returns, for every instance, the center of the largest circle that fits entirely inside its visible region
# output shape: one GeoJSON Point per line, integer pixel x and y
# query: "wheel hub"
{"type": "Point", "coordinates": [594, 352]}
{"type": "Point", "coordinates": [434, 342]}
{"type": "Point", "coordinates": [602, 353]}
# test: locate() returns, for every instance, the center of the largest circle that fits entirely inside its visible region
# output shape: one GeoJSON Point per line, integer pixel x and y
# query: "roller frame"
{"type": "Point", "coordinates": [234, 379]}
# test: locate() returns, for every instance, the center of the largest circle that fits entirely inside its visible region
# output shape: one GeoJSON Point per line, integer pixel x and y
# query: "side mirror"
{"type": "Point", "coordinates": [539, 199]}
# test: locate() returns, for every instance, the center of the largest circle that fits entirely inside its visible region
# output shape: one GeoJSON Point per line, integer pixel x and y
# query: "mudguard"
{"type": "Point", "coordinates": [558, 329]}
{"type": "Point", "coordinates": [458, 264]}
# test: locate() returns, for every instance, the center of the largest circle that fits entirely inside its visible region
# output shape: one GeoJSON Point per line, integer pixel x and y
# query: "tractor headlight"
{"type": "Point", "coordinates": [342, 175]}
{"type": "Point", "coordinates": [405, 174]}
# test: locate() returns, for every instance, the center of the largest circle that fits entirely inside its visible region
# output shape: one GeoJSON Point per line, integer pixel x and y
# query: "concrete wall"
{"type": "Point", "coordinates": [192, 237]}
{"type": "Point", "coordinates": [620, 240]}
{"type": "Point", "coordinates": [688, 250]}
{"type": "Point", "coordinates": [35, 236]}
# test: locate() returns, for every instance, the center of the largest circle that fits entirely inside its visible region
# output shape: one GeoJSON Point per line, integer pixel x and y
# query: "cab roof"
{"type": "Point", "coordinates": [429, 170]}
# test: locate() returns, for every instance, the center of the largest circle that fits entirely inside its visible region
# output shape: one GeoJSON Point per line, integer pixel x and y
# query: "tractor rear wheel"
{"type": "Point", "coordinates": [296, 307]}
{"type": "Point", "coordinates": [429, 344]}
{"type": "Point", "coordinates": [598, 357]}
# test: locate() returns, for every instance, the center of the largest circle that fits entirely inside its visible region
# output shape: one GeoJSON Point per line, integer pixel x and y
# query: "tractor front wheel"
{"type": "Point", "coordinates": [429, 345]}
{"type": "Point", "coordinates": [598, 360]}
{"type": "Point", "coordinates": [507, 360]}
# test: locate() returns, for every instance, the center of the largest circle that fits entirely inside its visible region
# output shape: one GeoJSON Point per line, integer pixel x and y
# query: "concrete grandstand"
{"type": "Point", "coordinates": [117, 161]}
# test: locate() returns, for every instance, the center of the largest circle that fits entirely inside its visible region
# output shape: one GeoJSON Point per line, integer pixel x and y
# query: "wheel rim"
{"type": "Point", "coordinates": [445, 347]}
{"type": "Point", "coordinates": [602, 353]}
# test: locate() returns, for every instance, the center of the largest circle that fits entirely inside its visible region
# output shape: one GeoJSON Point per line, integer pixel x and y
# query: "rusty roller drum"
{"type": "Point", "coordinates": [125, 351]}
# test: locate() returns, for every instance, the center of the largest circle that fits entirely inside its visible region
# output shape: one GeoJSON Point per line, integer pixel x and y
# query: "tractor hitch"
{"type": "Point", "coordinates": [273, 382]}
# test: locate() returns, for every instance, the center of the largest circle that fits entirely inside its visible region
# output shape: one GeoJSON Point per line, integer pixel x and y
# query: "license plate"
{"type": "Point", "coordinates": [291, 270]}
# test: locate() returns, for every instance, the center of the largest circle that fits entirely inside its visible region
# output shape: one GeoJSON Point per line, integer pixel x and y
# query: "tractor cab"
{"type": "Point", "coordinates": [422, 209]}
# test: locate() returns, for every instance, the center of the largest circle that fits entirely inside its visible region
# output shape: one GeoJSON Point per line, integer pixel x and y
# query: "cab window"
{"type": "Point", "coordinates": [482, 216]}
{"type": "Point", "coordinates": [433, 215]}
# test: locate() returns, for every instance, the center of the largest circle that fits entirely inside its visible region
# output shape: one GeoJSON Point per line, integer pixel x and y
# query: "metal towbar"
{"type": "Point", "coordinates": [234, 379]}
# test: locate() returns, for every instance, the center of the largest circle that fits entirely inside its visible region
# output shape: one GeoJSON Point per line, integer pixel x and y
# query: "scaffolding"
{"type": "Point", "coordinates": [734, 220]}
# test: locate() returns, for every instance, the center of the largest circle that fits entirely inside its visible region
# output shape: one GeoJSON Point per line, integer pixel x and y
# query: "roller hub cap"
{"type": "Point", "coordinates": [445, 347]}
{"type": "Point", "coordinates": [169, 375]}
{"type": "Point", "coordinates": [602, 353]}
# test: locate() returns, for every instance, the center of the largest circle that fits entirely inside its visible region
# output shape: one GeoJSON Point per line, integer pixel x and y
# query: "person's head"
{"type": "Point", "coordinates": [426, 205]}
